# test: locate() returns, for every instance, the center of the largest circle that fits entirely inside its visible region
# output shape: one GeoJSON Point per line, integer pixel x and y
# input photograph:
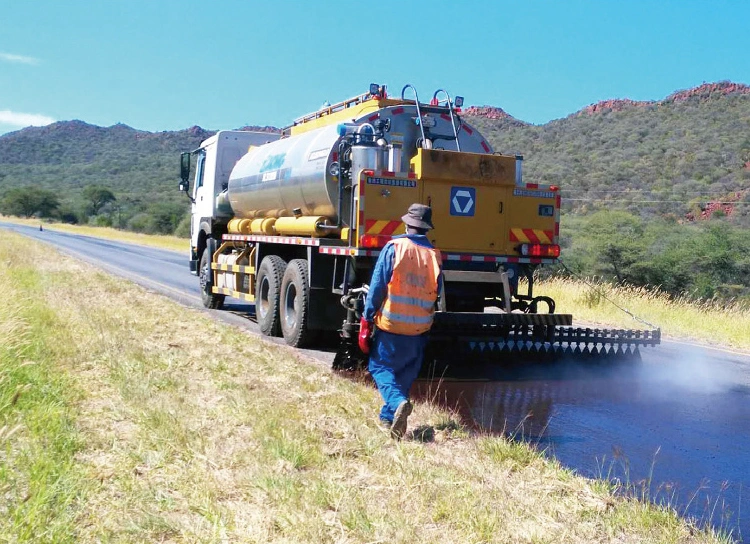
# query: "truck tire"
{"type": "Point", "coordinates": [206, 278]}
{"type": "Point", "coordinates": [295, 305]}
{"type": "Point", "coordinates": [267, 289]}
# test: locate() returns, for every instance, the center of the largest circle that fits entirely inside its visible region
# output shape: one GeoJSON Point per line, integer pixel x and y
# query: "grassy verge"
{"type": "Point", "coordinates": [172, 243]}
{"type": "Point", "coordinates": [41, 484]}
{"type": "Point", "coordinates": [173, 428]}
{"type": "Point", "coordinates": [720, 324]}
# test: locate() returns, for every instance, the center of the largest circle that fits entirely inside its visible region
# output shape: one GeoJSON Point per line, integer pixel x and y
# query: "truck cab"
{"type": "Point", "coordinates": [215, 159]}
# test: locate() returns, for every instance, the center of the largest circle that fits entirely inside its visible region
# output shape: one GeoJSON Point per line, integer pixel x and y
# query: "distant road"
{"type": "Point", "coordinates": [685, 410]}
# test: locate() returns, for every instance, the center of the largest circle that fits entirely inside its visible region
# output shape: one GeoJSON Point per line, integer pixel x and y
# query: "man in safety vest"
{"type": "Point", "coordinates": [401, 304]}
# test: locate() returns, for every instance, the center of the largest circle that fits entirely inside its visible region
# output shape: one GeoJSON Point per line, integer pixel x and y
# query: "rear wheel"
{"type": "Point", "coordinates": [206, 277]}
{"type": "Point", "coordinates": [295, 305]}
{"type": "Point", "coordinates": [267, 289]}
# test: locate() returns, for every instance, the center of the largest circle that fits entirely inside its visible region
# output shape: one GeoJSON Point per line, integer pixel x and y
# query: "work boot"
{"type": "Point", "coordinates": [400, 418]}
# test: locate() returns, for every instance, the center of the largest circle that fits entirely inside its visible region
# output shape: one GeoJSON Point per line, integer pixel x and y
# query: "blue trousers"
{"type": "Point", "coordinates": [395, 360]}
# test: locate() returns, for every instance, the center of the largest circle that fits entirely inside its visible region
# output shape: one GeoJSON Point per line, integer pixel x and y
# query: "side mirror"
{"type": "Point", "coordinates": [184, 185]}
{"type": "Point", "coordinates": [184, 171]}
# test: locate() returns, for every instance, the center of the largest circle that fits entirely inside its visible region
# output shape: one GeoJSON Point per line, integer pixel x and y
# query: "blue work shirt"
{"type": "Point", "coordinates": [381, 276]}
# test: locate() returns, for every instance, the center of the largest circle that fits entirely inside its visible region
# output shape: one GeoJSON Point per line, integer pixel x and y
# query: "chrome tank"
{"type": "Point", "coordinates": [276, 178]}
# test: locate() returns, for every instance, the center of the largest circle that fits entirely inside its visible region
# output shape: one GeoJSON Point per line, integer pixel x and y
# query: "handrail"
{"type": "Point", "coordinates": [450, 109]}
{"type": "Point", "coordinates": [419, 113]}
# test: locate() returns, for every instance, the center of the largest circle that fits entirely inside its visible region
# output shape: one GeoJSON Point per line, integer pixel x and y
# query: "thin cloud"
{"type": "Point", "coordinates": [20, 59]}
{"type": "Point", "coordinates": [17, 119]}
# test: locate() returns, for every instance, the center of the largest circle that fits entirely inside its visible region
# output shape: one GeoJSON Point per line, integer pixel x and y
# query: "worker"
{"type": "Point", "coordinates": [398, 314]}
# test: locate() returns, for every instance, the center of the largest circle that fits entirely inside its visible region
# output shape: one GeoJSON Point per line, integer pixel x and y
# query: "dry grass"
{"type": "Point", "coordinates": [719, 323]}
{"type": "Point", "coordinates": [172, 243]}
{"type": "Point", "coordinates": [192, 431]}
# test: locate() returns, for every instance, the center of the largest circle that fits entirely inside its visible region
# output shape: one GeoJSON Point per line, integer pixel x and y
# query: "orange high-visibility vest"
{"type": "Point", "coordinates": [409, 304]}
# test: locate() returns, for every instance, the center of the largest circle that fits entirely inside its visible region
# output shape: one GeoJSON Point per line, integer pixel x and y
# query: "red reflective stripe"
{"type": "Point", "coordinates": [532, 186]}
{"type": "Point", "coordinates": [445, 116]}
{"type": "Point", "coordinates": [513, 237]}
{"type": "Point", "coordinates": [531, 235]}
{"type": "Point", "coordinates": [391, 227]}
{"type": "Point", "coordinates": [373, 117]}
{"type": "Point", "coordinates": [485, 146]}
{"type": "Point", "coordinates": [412, 175]}
{"type": "Point", "coordinates": [398, 111]}
{"type": "Point", "coordinates": [467, 130]}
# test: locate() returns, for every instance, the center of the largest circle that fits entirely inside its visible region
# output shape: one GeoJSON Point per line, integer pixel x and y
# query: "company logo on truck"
{"type": "Point", "coordinates": [273, 162]}
{"type": "Point", "coordinates": [463, 200]}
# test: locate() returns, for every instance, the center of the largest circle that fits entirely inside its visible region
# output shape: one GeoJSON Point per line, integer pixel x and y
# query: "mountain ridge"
{"type": "Point", "coordinates": [703, 91]}
{"type": "Point", "coordinates": [675, 156]}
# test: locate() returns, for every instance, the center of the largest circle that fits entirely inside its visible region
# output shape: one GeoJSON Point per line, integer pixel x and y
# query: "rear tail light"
{"type": "Point", "coordinates": [540, 250]}
{"type": "Point", "coordinates": [373, 240]}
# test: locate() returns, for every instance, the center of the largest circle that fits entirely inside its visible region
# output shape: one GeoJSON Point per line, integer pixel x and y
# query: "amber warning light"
{"type": "Point", "coordinates": [540, 250]}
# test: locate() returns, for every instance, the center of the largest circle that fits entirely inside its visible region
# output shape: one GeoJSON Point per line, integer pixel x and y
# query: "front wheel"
{"type": "Point", "coordinates": [206, 277]}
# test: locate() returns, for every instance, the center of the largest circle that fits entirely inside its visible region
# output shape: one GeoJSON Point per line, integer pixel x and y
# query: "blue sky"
{"type": "Point", "coordinates": [167, 65]}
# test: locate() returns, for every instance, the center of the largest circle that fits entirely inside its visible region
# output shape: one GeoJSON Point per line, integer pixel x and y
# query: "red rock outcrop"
{"type": "Point", "coordinates": [617, 104]}
{"type": "Point", "coordinates": [707, 90]}
{"type": "Point", "coordinates": [709, 208]}
{"type": "Point", "coordinates": [488, 112]}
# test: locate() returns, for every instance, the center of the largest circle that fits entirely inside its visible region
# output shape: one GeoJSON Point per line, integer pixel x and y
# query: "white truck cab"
{"type": "Point", "coordinates": [215, 159]}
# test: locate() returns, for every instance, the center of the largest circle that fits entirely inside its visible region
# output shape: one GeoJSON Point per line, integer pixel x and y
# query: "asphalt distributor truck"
{"type": "Point", "coordinates": [293, 223]}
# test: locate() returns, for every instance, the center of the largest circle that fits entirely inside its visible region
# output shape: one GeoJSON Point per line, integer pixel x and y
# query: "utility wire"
{"type": "Point", "coordinates": [605, 297]}
{"type": "Point", "coordinates": [733, 203]}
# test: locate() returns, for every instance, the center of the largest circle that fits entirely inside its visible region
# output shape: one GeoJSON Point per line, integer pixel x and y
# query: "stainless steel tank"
{"type": "Point", "coordinates": [276, 178]}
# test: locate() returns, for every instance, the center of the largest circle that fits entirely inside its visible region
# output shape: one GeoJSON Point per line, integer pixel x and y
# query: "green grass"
{"type": "Point", "coordinates": [148, 422]}
{"type": "Point", "coordinates": [41, 484]}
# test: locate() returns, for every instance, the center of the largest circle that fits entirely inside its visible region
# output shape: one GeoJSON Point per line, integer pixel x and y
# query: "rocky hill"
{"type": "Point", "coordinates": [686, 156]}
{"type": "Point", "coordinates": [69, 155]}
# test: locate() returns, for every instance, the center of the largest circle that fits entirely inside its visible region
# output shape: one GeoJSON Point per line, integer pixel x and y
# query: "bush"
{"type": "Point", "coordinates": [100, 221]}
{"type": "Point", "coordinates": [140, 223]}
{"type": "Point", "coordinates": [183, 227]}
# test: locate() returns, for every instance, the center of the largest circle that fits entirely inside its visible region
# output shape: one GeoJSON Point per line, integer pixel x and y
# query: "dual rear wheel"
{"type": "Point", "coordinates": [282, 300]}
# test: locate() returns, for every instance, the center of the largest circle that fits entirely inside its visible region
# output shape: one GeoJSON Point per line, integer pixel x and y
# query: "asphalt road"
{"type": "Point", "coordinates": [675, 427]}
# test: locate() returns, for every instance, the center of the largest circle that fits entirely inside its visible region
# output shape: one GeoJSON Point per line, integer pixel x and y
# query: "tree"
{"type": "Point", "coordinates": [97, 197]}
{"type": "Point", "coordinates": [28, 201]}
{"type": "Point", "coordinates": [616, 243]}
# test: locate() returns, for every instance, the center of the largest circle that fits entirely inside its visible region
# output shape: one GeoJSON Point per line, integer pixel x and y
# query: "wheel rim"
{"type": "Point", "coordinates": [290, 309]}
{"type": "Point", "coordinates": [263, 298]}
